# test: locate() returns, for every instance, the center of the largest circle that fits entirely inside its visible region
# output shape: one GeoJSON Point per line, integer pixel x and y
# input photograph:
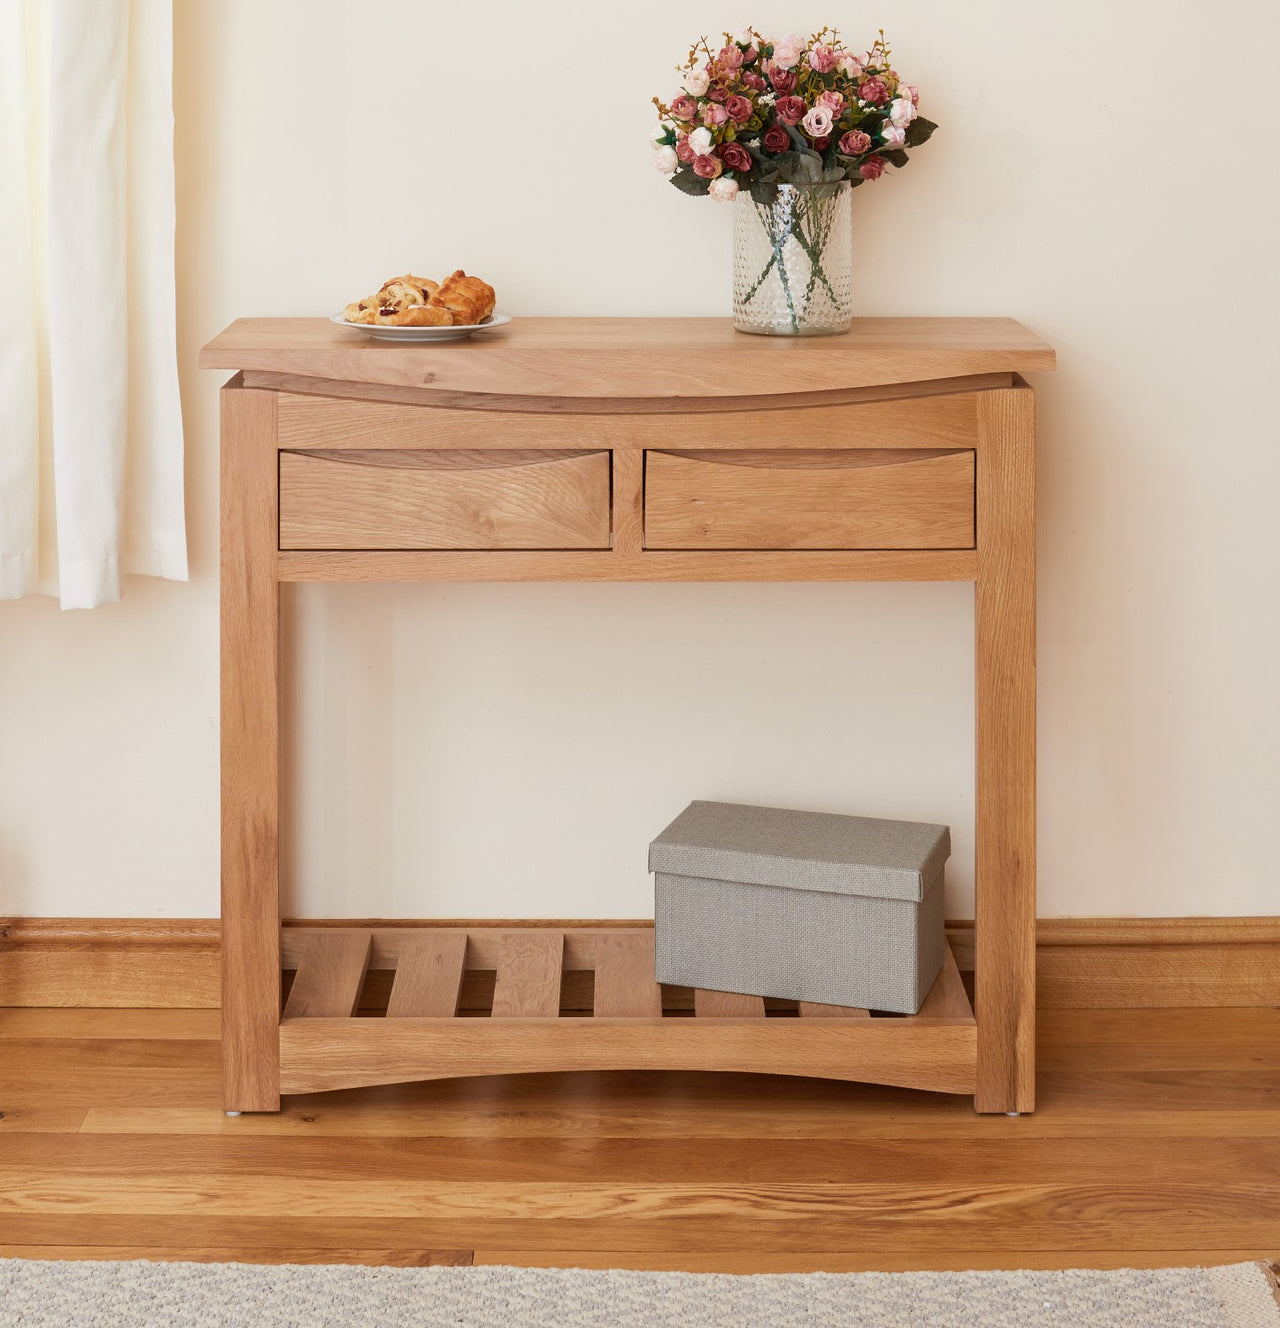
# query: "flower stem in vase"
{"type": "Point", "coordinates": [787, 222]}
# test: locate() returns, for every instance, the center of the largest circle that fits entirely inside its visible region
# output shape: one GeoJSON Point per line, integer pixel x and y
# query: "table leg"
{"type": "Point", "coordinates": [1005, 627]}
{"type": "Point", "coordinates": [250, 757]}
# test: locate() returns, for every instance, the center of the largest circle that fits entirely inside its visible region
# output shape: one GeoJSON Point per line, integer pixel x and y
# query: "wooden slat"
{"type": "Point", "coordinates": [319, 1054]}
{"type": "Point", "coordinates": [727, 1005]}
{"type": "Point", "coordinates": [610, 565]}
{"type": "Point", "coordinates": [605, 358]}
{"type": "Point", "coordinates": [625, 985]}
{"type": "Point", "coordinates": [308, 422]}
{"type": "Point", "coordinates": [250, 769]}
{"type": "Point", "coordinates": [814, 1010]}
{"type": "Point", "coordinates": [528, 975]}
{"type": "Point", "coordinates": [947, 998]}
{"type": "Point", "coordinates": [330, 975]}
{"type": "Point", "coordinates": [509, 403]}
{"type": "Point", "coordinates": [429, 976]}
{"type": "Point", "coordinates": [628, 500]}
{"type": "Point", "coordinates": [1005, 732]}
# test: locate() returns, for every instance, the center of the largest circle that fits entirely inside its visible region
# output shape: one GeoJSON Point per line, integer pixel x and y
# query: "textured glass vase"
{"type": "Point", "coordinates": [792, 258]}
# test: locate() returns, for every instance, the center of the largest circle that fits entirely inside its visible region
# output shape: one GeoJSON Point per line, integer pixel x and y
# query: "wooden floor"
{"type": "Point", "coordinates": [1157, 1142]}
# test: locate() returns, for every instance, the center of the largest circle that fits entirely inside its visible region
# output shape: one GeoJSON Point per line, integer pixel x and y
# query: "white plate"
{"type": "Point", "coordinates": [450, 333]}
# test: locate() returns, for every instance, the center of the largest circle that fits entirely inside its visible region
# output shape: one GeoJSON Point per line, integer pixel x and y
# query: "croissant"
{"type": "Point", "coordinates": [468, 299]}
{"type": "Point", "coordinates": [424, 282]}
{"type": "Point", "coordinates": [362, 311]}
{"type": "Point", "coordinates": [415, 315]}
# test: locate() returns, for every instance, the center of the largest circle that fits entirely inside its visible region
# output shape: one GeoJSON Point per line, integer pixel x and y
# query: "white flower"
{"type": "Point", "coordinates": [892, 135]}
{"type": "Point", "coordinates": [817, 122]}
{"type": "Point", "coordinates": [660, 134]}
{"type": "Point", "coordinates": [902, 111]}
{"type": "Point", "coordinates": [787, 51]}
{"type": "Point", "coordinates": [723, 191]}
{"type": "Point", "coordinates": [743, 38]}
{"type": "Point", "coordinates": [701, 141]}
{"type": "Point", "coordinates": [666, 161]}
{"type": "Point", "coordinates": [696, 82]}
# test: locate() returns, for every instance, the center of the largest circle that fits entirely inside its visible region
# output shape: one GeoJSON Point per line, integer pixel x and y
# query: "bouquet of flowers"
{"type": "Point", "coordinates": [759, 113]}
{"type": "Point", "coordinates": [792, 125]}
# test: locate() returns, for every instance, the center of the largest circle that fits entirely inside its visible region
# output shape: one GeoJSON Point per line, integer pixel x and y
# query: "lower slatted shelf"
{"type": "Point", "coordinates": [495, 1000]}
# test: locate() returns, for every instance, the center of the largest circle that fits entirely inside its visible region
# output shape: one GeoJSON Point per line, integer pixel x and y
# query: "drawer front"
{"type": "Point", "coordinates": [822, 499]}
{"type": "Point", "coordinates": [463, 499]}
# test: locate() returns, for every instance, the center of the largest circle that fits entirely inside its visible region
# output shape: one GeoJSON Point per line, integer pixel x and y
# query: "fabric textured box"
{"type": "Point", "coordinates": [843, 910]}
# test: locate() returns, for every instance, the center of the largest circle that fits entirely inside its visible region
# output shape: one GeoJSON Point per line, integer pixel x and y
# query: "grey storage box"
{"type": "Point", "coordinates": [840, 910]}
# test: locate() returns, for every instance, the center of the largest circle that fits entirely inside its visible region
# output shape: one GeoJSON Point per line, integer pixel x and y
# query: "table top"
{"type": "Point", "coordinates": [637, 357]}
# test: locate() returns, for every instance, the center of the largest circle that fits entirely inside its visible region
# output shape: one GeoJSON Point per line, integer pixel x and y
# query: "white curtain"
{"type": "Point", "coordinates": [90, 420]}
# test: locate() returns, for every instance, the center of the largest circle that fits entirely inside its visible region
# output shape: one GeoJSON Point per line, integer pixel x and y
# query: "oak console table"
{"type": "Point", "coordinates": [618, 450]}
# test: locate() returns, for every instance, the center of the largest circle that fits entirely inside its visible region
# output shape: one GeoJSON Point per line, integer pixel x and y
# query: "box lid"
{"type": "Point", "coordinates": [847, 855]}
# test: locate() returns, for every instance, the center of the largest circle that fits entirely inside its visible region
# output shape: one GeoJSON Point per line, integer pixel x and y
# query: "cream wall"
{"type": "Point", "coordinates": [1103, 172]}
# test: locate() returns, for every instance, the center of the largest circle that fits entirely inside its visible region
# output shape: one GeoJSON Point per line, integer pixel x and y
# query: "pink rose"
{"type": "Point", "coordinates": [833, 101]}
{"type": "Point", "coordinates": [791, 110]}
{"type": "Point", "coordinates": [735, 157]}
{"type": "Point", "coordinates": [911, 91]}
{"type": "Point", "coordinates": [712, 114]}
{"type": "Point", "coordinates": [754, 81]}
{"type": "Point", "coordinates": [776, 139]}
{"type": "Point", "coordinates": [874, 92]}
{"type": "Point", "coordinates": [739, 108]}
{"type": "Point", "coordinates": [787, 51]}
{"type": "Point", "coordinates": [853, 144]}
{"type": "Point", "coordinates": [684, 108]}
{"type": "Point", "coordinates": [783, 80]}
{"type": "Point", "coordinates": [750, 55]}
{"type": "Point", "coordinates": [709, 167]}
{"type": "Point", "coordinates": [850, 67]}
{"type": "Point", "coordinates": [892, 135]}
{"type": "Point", "coordinates": [730, 57]}
{"type": "Point", "coordinates": [822, 59]}
{"type": "Point", "coordinates": [871, 169]}
{"type": "Point", "coordinates": [719, 93]}
{"type": "Point", "coordinates": [684, 149]}
{"type": "Point", "coordinates": [817, 122]}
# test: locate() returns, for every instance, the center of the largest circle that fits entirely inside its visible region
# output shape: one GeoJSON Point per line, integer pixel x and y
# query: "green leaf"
{"type": "Point", "coordinates": [919, 131]}
{"type": "Point", "coordinates": [689, 183]}
{"type": "Point", "coordinates": [895, 157]}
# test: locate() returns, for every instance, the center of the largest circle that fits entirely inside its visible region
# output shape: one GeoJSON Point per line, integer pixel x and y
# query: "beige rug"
{"type": "Point", "coordinates": [48, 1294]}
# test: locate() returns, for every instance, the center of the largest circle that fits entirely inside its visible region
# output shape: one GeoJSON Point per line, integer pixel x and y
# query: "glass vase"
{"type": "Point", "coordinates": [792, 260]}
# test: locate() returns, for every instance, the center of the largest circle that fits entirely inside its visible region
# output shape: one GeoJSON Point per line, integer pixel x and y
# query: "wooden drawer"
{"type": "Point", "coordinates": [463, 499]}
{"type": "Point", "coordinates": [908, 498]}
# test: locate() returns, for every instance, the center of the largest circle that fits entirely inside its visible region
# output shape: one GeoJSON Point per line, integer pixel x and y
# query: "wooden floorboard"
{"type": "Point", "coordinates": [1157, 1142]}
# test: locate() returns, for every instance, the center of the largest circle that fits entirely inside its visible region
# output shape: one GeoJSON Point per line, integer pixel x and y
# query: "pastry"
{"type": "Point", "coordinates": [404, 292]}
{"type": "Point", "coordinates": [362, 311]}
{"type": "Point", "coordinates": [415, 315]}
{"type": "Point", "coordinates": [424, 284]}
{"type": "Point", "coordinates": [468, 299]}
{"type": "Point", "coordinates": [409, 301]}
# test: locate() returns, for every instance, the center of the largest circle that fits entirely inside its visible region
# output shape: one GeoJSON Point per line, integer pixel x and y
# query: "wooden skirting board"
{"type": "Point", "coordinates": [1123, 963]}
